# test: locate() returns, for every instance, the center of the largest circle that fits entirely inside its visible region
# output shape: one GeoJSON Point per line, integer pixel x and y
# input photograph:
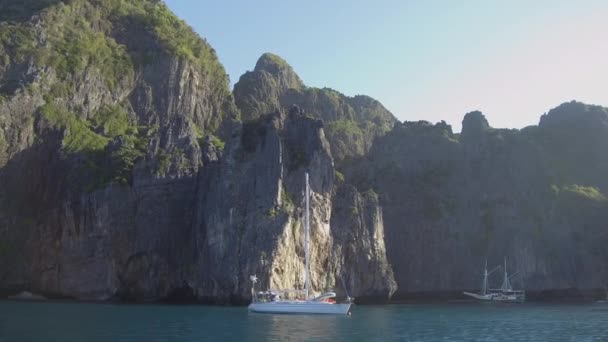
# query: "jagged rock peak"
{"type": "Point", "coordinates": [271, 63]}
{"type": "Point", "coordinates": [474, 124]}
{"type": "Point", "coordinates": [575, 112]}
{"type": "Point", "coordinates": [258, 92]}
{"type": "Point", "coordinates": [351, 123]}
{"type": "Point", "coordinates": [278, 67]}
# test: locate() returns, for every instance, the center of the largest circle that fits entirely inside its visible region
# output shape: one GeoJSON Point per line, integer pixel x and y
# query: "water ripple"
{"type": "Point", "coordinates": [448, 323]}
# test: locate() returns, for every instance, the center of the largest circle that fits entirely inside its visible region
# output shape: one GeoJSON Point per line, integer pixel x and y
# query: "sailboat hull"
{"type": "Point", "coordinates": [498, 297]}
{"type": "Point", "coordinates": [300, 307]}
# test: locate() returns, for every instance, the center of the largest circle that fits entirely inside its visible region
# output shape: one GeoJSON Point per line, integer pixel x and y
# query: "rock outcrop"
{"type": "Point", "coordinates": [251, 219]}
{"type": "Point", "coordinates": [109, 143]}
{"type": "Point", "coordinates": [351, 123]}
{"type": "Point", "coordinates": [452, 200]}
{"type": "Point", "coordinates": [259, 92]}
{"type": "Point", "coordinates": [116, 179]}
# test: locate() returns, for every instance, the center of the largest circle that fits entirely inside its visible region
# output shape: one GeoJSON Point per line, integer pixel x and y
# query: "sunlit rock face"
{"type": "Point", "coordinates": [351, 123]}
{"type": "Point", "coordinates": [252, 218]}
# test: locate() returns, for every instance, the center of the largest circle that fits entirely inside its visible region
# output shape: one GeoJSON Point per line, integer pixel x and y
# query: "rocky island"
{"type": "Point", "coordinates": [129, 170]}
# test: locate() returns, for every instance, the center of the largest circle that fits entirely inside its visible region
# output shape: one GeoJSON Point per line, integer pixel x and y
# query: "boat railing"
{"type": "Point", "coordinates": [296, 295]}
{"type": "Point", "coordinates": [281, 294]}
{"type": "Point", "coordinates": [503, 290]}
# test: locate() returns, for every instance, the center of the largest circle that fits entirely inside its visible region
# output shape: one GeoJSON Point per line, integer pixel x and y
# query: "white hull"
{"type": "Point", "coordinates": [300, 307]}
{"type": "Point", "coordinates": [497, 297]}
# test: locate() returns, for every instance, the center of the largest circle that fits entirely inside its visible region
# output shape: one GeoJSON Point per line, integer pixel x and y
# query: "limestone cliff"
{"type": "Point", "coordinates": [126, 172]}
{"type": "Point", "coordinates": [536, 196]}
{"type": "Point", "coordinates": [102, 123]}
{"type": "Point", "coordinates": [352, 123]}
{"type": "Point", "coordinates": [115, 181]}
{"type": "Point", "coordinates": [251, 219]}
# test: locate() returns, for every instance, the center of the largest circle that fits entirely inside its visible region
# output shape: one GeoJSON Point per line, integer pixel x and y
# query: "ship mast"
{"type": "Point", "coordinates": [506, 284]}
{"type": "Point", "coordinates": [484, 287]}
{"type": "Point", "coordinates": [307, 238]}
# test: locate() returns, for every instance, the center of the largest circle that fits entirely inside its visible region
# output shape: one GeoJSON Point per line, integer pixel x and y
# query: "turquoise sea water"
{"type": "Point", "coordinates": [451, 322]}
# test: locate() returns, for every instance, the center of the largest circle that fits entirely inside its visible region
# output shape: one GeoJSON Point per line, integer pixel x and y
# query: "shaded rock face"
{"type": "Point", "coordinates": [352, 123]}
{"type": "Point", "coordinates": [474, 126]}
{"type": "Point", "coordinates": [359, 217]}
{"type": "Point", "coordinates": [59, 235]}
{"type": "Point", "coordinates": [451, 201]}
{"type": "Point", "coordinates": [574, 134]}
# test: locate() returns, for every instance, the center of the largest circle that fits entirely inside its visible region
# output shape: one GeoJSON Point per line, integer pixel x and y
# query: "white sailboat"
{"type": "Point", "coordinates": [504, 294]}
{"type": "Point", "coordinates": [271, 302]}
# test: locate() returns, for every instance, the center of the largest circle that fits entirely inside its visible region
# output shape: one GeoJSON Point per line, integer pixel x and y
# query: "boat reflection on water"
{"type": "Point", "coordinates": [296, 327]}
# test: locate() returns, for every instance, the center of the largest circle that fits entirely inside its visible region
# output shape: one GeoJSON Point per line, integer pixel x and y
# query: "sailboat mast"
{"type": "Point", "coordinates": [484, 287]}
{"type": "Point", "coordinates": [506, 284]}
{"type": "Point", "coordinates": [307, 238]}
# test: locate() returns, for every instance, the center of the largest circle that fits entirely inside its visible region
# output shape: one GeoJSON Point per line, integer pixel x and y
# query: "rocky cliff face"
{"type": "Point", "coordinates": [116, 184]}
{"type": "Point", "coordinates": [450, 201]}
{"type": "Point", "coordinates": [110, 141]}
{"type": "Point", "coordinates": [251, 220]}
{"type": "Point", "coordinates": [352, 123]}
{"type": "Point", "coordinates": [129, 170]}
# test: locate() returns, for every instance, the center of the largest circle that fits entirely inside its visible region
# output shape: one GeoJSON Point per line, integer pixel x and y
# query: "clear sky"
{"type": "Point", "coordinates": [424, 60]}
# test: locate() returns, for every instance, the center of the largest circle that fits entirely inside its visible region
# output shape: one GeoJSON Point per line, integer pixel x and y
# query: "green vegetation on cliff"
{"type": "Point", "coordinates": [585, 192]}
{"type": "Point", "coordinates": [70, 43]}
{"type": "Point", "coordinates": [79, 136]}
{"type": "Point", "coordinates": [217, 142]}
{"type": "Point", "coordinates": [345, 132]}
{"type": "Point", "coordinates": [16, 41]}
{"type": "Point", "coordinates": [173, 33]}
{"type": "Point", "coordinates": [90, 140]}
{"type": "Point", "coordinates": [3, 147]}
{"type": "Point", "coordinates": [60, 50]}
{"type": "Point", "coordinates": [113, 121]}
{"type": "Point", "coordinates": [351, 123]}
{"type": "Point", "coordinates": [81, 34]}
